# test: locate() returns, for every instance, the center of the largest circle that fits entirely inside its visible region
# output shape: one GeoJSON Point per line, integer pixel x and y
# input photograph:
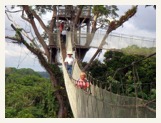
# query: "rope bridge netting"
{"type": "Point", "coordinates": [100, 101]}
{"type": "Point", "coordinates": [121, 42]}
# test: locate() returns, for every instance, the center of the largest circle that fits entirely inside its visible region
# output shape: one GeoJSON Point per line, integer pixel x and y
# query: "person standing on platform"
{"type": "Point", "coordinates": [61, 27]}
{"type": "Point", "coordinates": [64, 32]}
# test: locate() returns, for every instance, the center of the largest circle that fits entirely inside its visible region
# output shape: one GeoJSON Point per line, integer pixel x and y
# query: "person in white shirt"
{"type": "Point", "coordinates": [69, 63]}
{"type": "Point", "coordinates": [64, 32]}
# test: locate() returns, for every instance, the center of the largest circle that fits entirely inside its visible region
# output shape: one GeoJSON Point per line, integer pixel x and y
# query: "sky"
{"type": "Point", "coordinates": [143, 24]}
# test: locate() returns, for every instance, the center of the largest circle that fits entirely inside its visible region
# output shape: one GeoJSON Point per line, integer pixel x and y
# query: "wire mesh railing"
{"type": "Point", "coordinates": [110, 98]}
{"type": "Point", "coordinates": [125, 43]}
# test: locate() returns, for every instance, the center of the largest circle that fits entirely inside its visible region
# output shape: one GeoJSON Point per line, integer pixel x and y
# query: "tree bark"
{"type": "Point", "coordinates": [32, 22]}
{"type": "Point", "coordinates": [54, 80]}
{"type": "Point", "coordinates": [91, 60]}
{"type": "Point", "coordinates": [77, 16]}
{"type": "Point", "coordinates": [53, 19]}
{"type": "Point", "coordinates": [94, 24]}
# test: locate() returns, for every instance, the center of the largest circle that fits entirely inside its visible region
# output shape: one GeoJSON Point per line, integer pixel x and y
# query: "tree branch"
{"type": "Point", "coordinates": [31, 13]}
{"type": "Point", "coordinates": [82, 22]}
{"type": "Point", "coordinates": [112, 26]}
{"type": "Point", "coordinates": [8, 17]}
{"type": "Point", "coordinates": [78, 15]}
{"type": "Point", "coordinates": [13, 11]}
{"type": "Point", "coordinates": [21, 40]}
{"type": "Point", "coordinates": [83, 25]}
{"type": "Point", "coordinates": [23, 31]}
{"type": "Point", "coordinates": [115, 24]}
{"type": "Point", "coordinates": [41, 40]}
{"type": "Point", "coordinates": [23, 17]}
{"type": "Point", "coordinates": [13, 38]}
{"type": "Point", "coordinates": [53, 18]}
{"type": "Point", "coordinates": [94, 23]}
{"type": "Point", "coordinates": [40, 21]}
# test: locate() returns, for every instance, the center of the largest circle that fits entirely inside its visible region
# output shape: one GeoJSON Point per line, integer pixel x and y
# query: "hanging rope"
{"type": "Point", "coordinates": [100, 102]}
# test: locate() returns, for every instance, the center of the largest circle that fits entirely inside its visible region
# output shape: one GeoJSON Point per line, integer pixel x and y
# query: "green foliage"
{"type": "Point", "coordinates": [97, 70]}
{"type": "Point", "coordinates": [153, 94]}
{"type": "Point", "coordinates": [18, 30]}
{"type": "Point", "coordinates": [104, 10]}
{"type": "Point", "coordinates": [28, 95]}
{"type": "Point", "coordinates": [99, 9]}
{"type": "Point", "coordinates": [44, 74]}
{"type": "Point", "coordinates": [104, 14]}
{"type": "Point", "coordinates": [121, 76]}
{"type": "Point", "coordinates": [58, 74]}
{"type": "Point", "coordinates": [137, 50]}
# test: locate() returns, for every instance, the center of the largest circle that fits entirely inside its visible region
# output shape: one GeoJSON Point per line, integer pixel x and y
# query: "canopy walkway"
{"type": "Point", "coordinates": [101, 102]}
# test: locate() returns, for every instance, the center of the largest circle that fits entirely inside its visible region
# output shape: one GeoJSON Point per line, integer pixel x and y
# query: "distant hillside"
{"type": "Point", "coordinates": [28, 94]}
{"type": "Point", "coordinates": [43, 74]}
{"type": "Point", "coordinates": [26, 71]}
{"type": "Point", "coordinates": [21, 71]}
{"type": "Point", "coordinates": [134, 49]}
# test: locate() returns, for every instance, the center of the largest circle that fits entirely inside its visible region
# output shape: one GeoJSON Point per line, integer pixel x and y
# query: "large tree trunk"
{"type": "Point", "coordinates": [62, 112]}
{"type": "Point", "coordinates": [55, 81]}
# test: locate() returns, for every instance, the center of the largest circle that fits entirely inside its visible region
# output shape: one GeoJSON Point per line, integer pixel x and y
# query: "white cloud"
{"type": "Point", "coordinates": [15, 49]}
{"type": "Point", "coordinates": [20, 57]}
{"type": "Point", "coordinates": [143, 23]}
{"type": "Point", "coordinates": [130, 29]}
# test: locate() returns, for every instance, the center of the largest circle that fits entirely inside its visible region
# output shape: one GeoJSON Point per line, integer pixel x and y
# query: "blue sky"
{"type": "Point", "coordinates": [143, 23]}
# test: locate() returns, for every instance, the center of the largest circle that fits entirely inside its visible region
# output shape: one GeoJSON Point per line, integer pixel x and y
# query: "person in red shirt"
{"type": "Point", "coordinates": [83, 82]}
{"type": "Point", "coordinates": [61, 27]}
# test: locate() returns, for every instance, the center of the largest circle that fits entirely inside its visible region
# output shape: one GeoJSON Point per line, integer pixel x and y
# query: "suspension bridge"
{"type": "Point", "coordinates": [101, 102]}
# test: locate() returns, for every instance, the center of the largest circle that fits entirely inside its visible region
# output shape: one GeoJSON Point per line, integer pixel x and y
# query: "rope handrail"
{"type": "Point", "coordinates": [99, 102]}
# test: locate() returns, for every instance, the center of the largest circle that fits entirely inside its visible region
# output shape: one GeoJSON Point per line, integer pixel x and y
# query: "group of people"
{"type": "Point", "coordinates": [63, 31]}
{"type": "Point", "coordinates": [82, 82]}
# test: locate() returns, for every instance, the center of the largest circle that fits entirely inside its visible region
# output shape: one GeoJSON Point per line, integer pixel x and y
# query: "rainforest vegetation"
{"type": "Point", "coordinates": [30, 94]}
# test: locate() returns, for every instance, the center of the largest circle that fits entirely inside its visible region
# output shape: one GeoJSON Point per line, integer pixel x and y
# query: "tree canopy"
{"type": "Point", "coordinates": [28, 95]}
{"type": "Point", "coordinates": [123, 70]}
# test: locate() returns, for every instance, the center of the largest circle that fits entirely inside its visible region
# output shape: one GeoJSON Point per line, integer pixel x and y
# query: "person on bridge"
{"type": "Point", "coordinates": [64, 36]}
{"type": "Point", "coordinates": [69, 60]}
{"type": "Point", "coordinates": [61, 27]}
{"type": "Point", "coordinates": [82, 82]}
